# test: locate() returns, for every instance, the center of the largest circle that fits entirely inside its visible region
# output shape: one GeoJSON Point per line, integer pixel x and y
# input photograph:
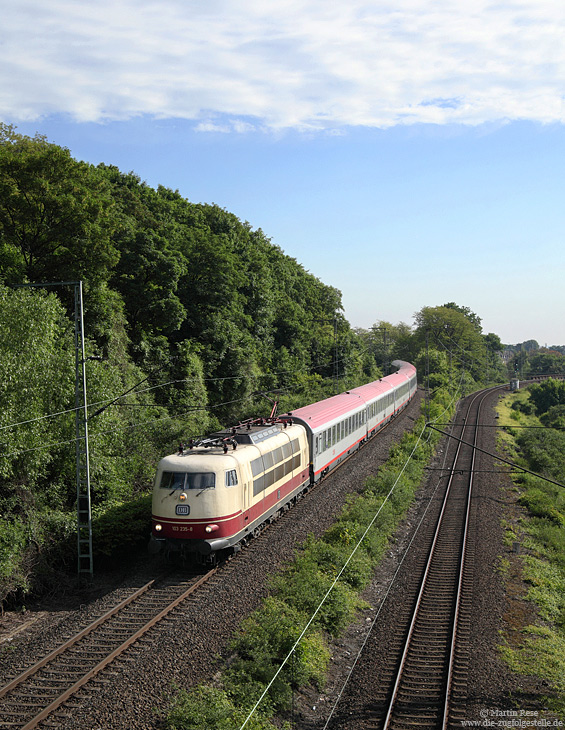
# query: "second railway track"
{"type": "Point", "coordinates": [420, 677]}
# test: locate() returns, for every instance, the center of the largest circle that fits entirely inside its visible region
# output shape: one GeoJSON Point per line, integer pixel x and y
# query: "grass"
{"type": "Point", "coordinates": [541, 651]}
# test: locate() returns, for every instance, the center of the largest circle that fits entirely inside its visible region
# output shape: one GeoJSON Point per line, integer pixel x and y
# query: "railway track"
{"type": "Point", "coordinates": [41, 689]}
{"type": "Point", "coordinates": [420, 680]}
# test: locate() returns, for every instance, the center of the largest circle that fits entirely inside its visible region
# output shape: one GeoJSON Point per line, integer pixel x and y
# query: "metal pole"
{"type": "Point", "coordinates": [385, 349]}
{"type": "Point", "coordinates": [336, 364]}
{"type": "Point", "coordinates": [84, 513]}
{"type": "Point", "coordinates": [427, 391]}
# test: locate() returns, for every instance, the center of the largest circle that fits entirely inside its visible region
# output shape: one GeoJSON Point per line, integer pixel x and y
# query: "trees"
{"type": "Point", "coordinates": [456, 331]}
{"type": "Point", "coordinates": [538, 361]}
{"type": "Point", "coordinates": [36, 378]}
{"type": "Point", "coordinates": [387, 342]}
{"type": "Point", "coordinates": [466, 311]}
{"type": "Point", "coordinates": [452, 331]}
{"type": "Point", "coordinates": [55, 214]}
{"type": "Point", "coordinates": [546, 363]}
{"type": "Point", "coordinates": [547, 394]}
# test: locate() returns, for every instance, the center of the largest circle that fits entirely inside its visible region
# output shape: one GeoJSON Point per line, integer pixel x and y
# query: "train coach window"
{"type": "Point", "coordinates": [172, 480]}
{"type": "Point", "coordinates": [231, 478]}
{"type": "Point", "coordinates": [258, 485]}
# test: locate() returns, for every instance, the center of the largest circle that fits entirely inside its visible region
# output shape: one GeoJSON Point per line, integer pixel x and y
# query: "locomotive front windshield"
{"type": "Point", "coordinates": [186, 480]}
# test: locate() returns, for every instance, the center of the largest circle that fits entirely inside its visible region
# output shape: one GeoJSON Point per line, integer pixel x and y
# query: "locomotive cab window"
{"type": "Point", "coordinates": [172, 480]}
{"type": "Point", "coordinates": [206, 480]}
{"type": "Point", "coordinates": [183, 480]}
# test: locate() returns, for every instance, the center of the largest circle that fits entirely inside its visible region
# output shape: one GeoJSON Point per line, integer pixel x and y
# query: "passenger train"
{"type": "Point", "coordinates": [212, 496]}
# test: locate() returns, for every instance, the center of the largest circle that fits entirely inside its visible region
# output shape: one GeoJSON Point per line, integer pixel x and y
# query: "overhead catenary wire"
{"type": "Point", "coordinates": [110, 401]}
{"type": "Point", "coordinates": [144, 423]}
{"type": "Point", "coordinates": [128, 427]}
{"type": "Point", "coordinates": [499, 458]}
{"type": "Point", "coordinates": [114, 401]}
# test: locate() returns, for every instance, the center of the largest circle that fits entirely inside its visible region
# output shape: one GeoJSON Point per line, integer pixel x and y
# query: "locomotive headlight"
{"type": "Point", "coordinates": [182, 497]}
{"type": "Point", "coordinates": [158, 527]}
{"type": "Point", "coordinates": [212, 528]}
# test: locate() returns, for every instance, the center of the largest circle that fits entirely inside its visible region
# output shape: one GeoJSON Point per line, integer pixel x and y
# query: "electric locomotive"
{"type": "Point", "coordinates": [216, 494]}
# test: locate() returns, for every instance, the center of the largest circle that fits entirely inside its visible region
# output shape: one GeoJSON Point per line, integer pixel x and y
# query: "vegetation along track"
{"type": "Point", "coordinates": [43, 687]}
{"type": "Point", "coordinates": [418, 678]}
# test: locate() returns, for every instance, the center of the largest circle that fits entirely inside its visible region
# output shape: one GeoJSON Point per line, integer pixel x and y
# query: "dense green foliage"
{"type": "Point", "coordinates": [192, 319]}
{"type": "Point", "coordinates": [548, 394]}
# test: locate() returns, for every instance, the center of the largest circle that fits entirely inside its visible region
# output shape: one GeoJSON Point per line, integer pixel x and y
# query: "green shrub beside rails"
{"type": "Point", "coordinates": [121, 529]}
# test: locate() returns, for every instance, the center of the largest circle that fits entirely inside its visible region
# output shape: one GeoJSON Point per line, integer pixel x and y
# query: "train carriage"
{"type": "Point", "coordinates": [339, 425]}
{"type": "Point", "coordinates": [335, 428]}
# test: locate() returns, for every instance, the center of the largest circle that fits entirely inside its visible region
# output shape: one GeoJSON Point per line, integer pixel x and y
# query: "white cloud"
{"type": "Point", "coordinates": [293, 63]}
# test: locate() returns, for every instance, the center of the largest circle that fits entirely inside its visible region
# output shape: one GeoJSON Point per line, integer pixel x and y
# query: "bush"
{"type": "Point", "coordinates": [540, 504]}
{"type": "Point", "coordinates": [263, 642]}
{"type": "Point", "coordinates": [544, 448]}
{"type": "Point", "coordinates": [331, 557]}
{"type": "Point", "coordinates": [121, 529]}
{"type": "Point", "coordinates": [547, 394]}
{"type": "Point", "coordinates": [208, 708]}
{"type": "Point", "coordinates": [303, 586]}
{"type": "Point", "coordinates": [13, 543]}
{"type": "Point", "coordinates": [523, 406]}
{"type": "Point", "coordinates": [554, 418]}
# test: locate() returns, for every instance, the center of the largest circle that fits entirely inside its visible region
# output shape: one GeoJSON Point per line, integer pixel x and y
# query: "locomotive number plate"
{"type": "Point", "coordinates": [182, 509]}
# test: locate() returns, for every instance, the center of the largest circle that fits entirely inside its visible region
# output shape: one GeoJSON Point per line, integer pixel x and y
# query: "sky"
{"type": "Point", "coordinates": [409, 153]}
